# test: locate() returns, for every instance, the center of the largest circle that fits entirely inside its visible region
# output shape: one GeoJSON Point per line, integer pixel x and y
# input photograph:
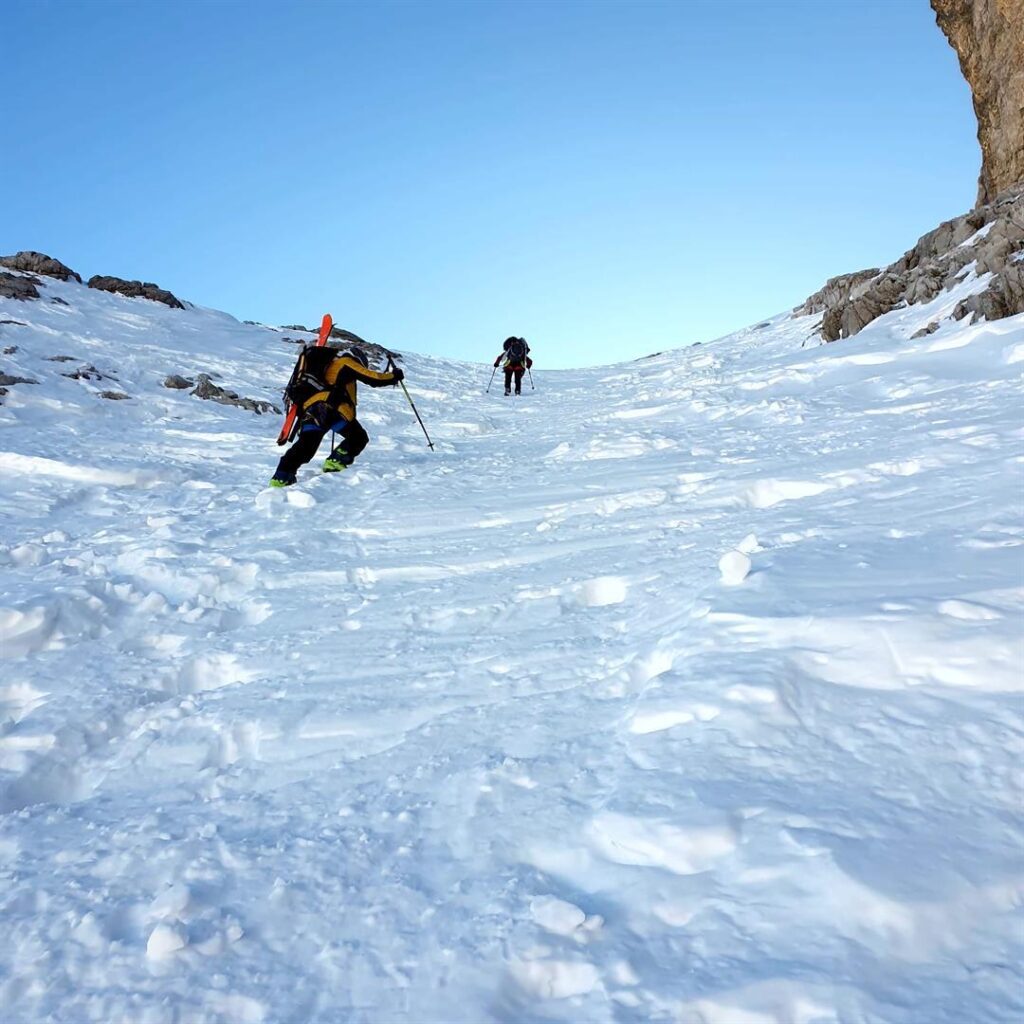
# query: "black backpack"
{"type": "Point", "coordinates": [309, 375]}
{"type": "Point", "coordinates": [516, 349]}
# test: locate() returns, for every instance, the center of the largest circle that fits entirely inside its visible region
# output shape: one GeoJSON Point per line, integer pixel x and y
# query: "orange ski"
{"type": "Point", "coordinates": [291, 418]}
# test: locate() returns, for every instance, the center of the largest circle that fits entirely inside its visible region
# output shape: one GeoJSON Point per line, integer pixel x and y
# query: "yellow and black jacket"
{"type": "Point", "coordinates": [342, 375]}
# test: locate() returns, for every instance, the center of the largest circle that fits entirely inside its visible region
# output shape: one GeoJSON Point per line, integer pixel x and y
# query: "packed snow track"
{"type": "Point", "coordinates": [685, 690]}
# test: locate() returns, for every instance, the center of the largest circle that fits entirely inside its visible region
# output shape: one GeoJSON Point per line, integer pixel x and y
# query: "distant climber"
{"type": "Point", "coordinates": [516, 354]}
{"type": "Point", "coordinates": [324, 387]}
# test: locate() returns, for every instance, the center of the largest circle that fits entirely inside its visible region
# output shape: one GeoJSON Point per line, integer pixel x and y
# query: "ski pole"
{"type": "Point", "coordinates": [491, 381]}
{"type": "Point", "coordinates": [430, 444]}
{"type": "Point", "coordinates": [530, 372]}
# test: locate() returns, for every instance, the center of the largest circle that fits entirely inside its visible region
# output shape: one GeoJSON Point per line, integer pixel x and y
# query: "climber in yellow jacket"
{"type": "Point", "coordinates": [332, 408]}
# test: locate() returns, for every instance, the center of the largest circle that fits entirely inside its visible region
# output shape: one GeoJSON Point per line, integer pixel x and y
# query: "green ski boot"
{"type": "Point", "coordinates": [332, 465]}
{"type": "Point", "coordinates": [276, 481]}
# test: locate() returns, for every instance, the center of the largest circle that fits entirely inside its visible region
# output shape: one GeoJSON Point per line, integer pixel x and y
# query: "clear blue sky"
{"type": "Point", "coordinates": [605, 178]}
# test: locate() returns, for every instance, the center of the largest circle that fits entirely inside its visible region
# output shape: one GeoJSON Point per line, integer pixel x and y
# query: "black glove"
{"type": "Point", "coordinates": [398, 373]}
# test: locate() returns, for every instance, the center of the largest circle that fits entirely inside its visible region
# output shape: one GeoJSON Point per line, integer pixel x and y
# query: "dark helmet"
{"type": "Point", "coordinates": [359, 355]}
{"type": "Point", "coordinates": [510, 341]}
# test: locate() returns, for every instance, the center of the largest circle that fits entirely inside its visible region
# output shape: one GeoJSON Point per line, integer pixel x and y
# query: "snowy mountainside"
{"type": "Point", "coordinates": [487, 733]}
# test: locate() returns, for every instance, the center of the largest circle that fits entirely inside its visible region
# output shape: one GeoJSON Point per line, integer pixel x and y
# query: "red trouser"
{"type": "Point", "coordinates": [518, 371]}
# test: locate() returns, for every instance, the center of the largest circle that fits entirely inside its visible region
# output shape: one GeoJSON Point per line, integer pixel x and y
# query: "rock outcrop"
{"type": "Point", "coordinates": [88, 372]}
{"type": "Point", "coordinates": [135, 290]}
{"type": "Point", "coordinates": [341, 339]}
{"type": "Point", "coordinates": [988, 240]}
{"type": "Point", "coordinates": [376, 354]}
{"type": "Point", "coordinates": [215, 393]}
{"type": "Point", "coordinates": [988, 36]}
{"type": "Point", "coordinates": [19, 286]}
{"type": "Point", "coordinates": [39, 263]}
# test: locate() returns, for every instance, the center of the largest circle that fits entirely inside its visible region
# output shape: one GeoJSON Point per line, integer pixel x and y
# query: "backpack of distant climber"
{"type": "Point", "coordinates": [516, 349]}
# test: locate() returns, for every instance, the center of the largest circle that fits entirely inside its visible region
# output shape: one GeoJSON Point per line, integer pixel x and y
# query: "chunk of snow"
{"type": "Point", "coordinates": [164, 940]}
{"type": "Point", "coordinates": [555, 915]}
{"type": "Point", "coordinates": [602, 591]}
{"type": "Point", "coordinates": [734, 567]}
{"type": "Point", "coordinates": [555, 979]}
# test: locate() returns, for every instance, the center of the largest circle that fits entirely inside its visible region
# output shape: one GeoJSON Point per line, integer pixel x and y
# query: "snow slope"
{"type": "Point", "coordinates": [488, 734]}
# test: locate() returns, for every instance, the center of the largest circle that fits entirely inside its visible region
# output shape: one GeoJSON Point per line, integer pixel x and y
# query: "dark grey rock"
{"type": "Point", "coordinates": [6, 380]}
{"type": "Point", "coordinates": [10, 350]}
{"type": "Point", "coordinates": [17, 286]}
{"type": "Point", "coordinates": [214, 393]}
{"type": "Point", "coordinates": [14, 323]}
{"type": "Point", "coordinates": [58, 301]}
{"type": "Point", "coordinates": [60, 359]}
{"type": "Point", "coordinates": [88, 373]}
{"type": "Point", "coordinates": [925, 331]}
{"type": "Point", "coordinates": [135, 290]}
{"type": "Point", "coordinates": [376, 354]}
{"type": "Point", "coordinates": [114, 396]}
{"type": "Point", "coordinates": [340, 339]}
{"type": "Point", "coordinates": [342, 335]}
{"type": "Point", "coordinates": [178, 382]}
{"type": "Point", "coordinates": [296, 327]}
{"type": "Point", "coordinates": [39, 263]}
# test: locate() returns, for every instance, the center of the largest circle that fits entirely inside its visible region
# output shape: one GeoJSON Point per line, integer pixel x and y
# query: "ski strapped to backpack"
{"type": "Point", "coordinates": [306, 379]}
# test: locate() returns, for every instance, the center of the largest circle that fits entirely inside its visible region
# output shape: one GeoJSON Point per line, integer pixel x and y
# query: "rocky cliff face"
{"type": "Point", "coordinates": [988, 241]}
{"type": "Point", "coordinates": [988, 36]}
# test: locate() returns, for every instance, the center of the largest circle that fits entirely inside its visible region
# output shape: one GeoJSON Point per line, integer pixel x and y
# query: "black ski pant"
{"type": "Point", "coordinates": [518, 371]}
{"type": "Point", "coordinates": [352, 440]}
